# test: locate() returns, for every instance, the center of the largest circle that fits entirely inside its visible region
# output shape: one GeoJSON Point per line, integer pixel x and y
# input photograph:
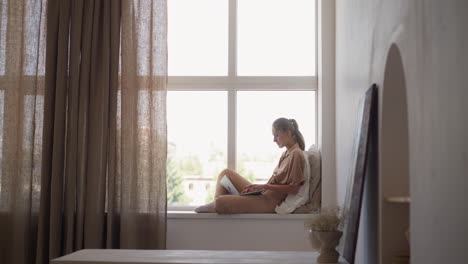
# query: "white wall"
{"type": "Point", "coordinates": [432, 37]}
{"type": "Point", "coordinates": [326, 98]}
{"type": "Point", "coordinates": [237, 232]}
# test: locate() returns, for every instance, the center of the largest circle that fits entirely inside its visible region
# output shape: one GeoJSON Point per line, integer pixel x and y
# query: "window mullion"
{"type": "Point", "coordinates": [232, 39]}
{"type": "Point", "coordinates": [232, 74]}
{"type": "Point", "coordinates": [232, 110]}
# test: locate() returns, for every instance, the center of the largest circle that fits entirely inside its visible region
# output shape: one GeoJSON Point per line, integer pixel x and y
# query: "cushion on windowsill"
{"type": "Point", "coordinates": [308, 198]}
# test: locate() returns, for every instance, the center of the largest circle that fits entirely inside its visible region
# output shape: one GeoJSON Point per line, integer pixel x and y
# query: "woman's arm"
{"type": "Point", "coordinates": [289, 189]}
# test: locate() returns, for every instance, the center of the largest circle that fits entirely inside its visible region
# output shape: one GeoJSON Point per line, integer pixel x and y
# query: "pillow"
{"type": "Point", "coordinates": [293, 201]}
{"type": "Point", "coordinates": [308, 198]}
{"type": "Point", "coordinates": [315, 187]}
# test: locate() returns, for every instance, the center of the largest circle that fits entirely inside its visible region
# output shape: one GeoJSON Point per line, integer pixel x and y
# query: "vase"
{"type": "Point", "coordinates": [314, 241]}
{"type": "Point", "coordinates": [329, 241]}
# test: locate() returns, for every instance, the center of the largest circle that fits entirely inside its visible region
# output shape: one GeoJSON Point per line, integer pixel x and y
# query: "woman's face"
{"type": "Point", "coordinates": [281, 138]}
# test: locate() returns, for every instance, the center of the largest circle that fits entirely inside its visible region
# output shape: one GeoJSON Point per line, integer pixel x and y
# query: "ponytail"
{"type": "Point", "coordinates": [297, 134]}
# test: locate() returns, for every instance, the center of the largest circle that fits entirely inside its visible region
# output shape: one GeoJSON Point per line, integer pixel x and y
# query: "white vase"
{"type": "Point", "coordinates": [329, 241]}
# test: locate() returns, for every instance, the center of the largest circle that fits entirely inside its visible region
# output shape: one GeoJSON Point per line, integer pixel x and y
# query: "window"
{"type": "Point", "coordinates": [3, 31]}
{"type": "Point", "coordinates": [234, 67]}
{"type": "Point", "coordinates": [30, 91]}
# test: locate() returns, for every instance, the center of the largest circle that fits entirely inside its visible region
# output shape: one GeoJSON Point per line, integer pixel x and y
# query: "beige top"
{"type": "Point", "coordinates": [290, 171]}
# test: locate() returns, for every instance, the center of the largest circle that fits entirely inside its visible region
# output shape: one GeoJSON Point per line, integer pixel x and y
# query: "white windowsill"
{"type": "Point", "coordinates": [193, 215]}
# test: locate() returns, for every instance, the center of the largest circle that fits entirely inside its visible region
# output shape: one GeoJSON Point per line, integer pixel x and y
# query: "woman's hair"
{"type": "Point", "coordinates": [284, 124]}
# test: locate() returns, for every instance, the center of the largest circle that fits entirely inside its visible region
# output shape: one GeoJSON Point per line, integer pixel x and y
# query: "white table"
{"type": "Point", "coordinates": [122, 256]}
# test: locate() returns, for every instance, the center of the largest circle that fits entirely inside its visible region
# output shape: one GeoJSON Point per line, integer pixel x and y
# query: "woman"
{"type": "Point", "coordinates": [287, 177]}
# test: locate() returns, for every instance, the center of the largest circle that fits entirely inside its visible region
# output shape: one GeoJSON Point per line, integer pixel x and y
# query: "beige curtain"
{"type": "Point", "coordinates": [83, 126]}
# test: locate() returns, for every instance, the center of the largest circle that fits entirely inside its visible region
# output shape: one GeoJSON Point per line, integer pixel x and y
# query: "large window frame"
{"type": "Point", "coordinates": [232, 83]}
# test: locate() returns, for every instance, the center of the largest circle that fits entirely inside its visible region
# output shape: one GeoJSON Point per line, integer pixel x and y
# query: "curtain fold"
{"type": "Point", "coordinates": [143, 146]}
{"type": "Point", "coordinates": [95, 124]}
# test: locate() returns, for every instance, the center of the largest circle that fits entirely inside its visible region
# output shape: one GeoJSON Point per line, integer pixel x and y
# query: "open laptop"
{"type": "Point", "coordinates": [227, 184]}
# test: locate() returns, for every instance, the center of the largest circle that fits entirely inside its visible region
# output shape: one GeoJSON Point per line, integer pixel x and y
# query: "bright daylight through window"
{"type": "Point", "coordinates": [234, 67]}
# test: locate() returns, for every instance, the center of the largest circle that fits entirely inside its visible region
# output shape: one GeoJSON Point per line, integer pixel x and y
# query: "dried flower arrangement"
{"type": "Point", "coordinates": [329, 219]}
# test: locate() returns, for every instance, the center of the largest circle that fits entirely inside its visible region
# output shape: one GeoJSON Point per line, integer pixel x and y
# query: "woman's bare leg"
{"type": "Point", "coordinates": [237, 180]}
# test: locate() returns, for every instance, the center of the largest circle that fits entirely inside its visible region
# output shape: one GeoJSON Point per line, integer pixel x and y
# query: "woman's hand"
{"type": "Point", "coordinates": [288, 189]}
{"type": "Point", "coordinates": [254, 188]}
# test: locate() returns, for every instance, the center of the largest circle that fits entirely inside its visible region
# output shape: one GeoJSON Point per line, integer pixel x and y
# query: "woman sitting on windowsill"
{"type": "Point", "coordinates": [287, 178]}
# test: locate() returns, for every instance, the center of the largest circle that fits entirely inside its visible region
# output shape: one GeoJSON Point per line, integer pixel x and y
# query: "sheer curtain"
{"type": "Point", "coordinates": [82, 126]}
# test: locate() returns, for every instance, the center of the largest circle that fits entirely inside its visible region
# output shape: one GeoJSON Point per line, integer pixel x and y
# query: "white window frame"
{"type": "Point", "coordinates": [233, 83]}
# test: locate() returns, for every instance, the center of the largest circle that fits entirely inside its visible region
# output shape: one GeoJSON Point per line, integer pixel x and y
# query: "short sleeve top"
{"type": "Point", "coordinates": [290, 171]}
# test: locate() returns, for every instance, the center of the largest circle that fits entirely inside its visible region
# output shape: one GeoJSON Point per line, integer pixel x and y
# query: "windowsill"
{"type": "Point", "coordinates": [193, 215]}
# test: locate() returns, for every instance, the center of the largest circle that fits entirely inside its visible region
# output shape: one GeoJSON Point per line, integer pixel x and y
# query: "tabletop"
{"type": "Point", "coordinates": [124, 256]}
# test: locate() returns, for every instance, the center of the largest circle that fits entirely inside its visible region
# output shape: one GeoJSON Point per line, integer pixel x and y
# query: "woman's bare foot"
{"type": "Point", "coordinates": [207, 208]}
